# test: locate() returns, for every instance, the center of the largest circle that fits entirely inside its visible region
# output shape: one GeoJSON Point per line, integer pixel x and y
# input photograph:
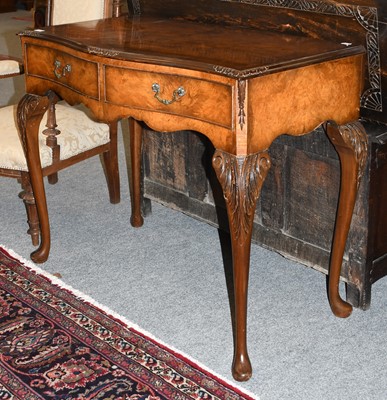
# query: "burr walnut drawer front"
{"type": "Point", "coordinates": [170, 94]}
{"type": "Point", "coordinates": [62, 68]}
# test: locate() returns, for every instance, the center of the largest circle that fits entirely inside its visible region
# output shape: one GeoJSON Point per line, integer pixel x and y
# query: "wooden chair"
{"type": "Point", "coordinates": [78, 137]}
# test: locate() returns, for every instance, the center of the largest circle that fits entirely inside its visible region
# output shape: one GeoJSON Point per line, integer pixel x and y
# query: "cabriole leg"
{"type": "Point", "coordinates": [350, 142]}
{"type": "Point", "coordinates": [241, 178]}
{"type": "Point", "coordinates": [30, 112]}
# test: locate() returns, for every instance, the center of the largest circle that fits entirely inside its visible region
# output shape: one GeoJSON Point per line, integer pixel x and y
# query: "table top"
{"type": "Point", "coordinates": [227, 50]}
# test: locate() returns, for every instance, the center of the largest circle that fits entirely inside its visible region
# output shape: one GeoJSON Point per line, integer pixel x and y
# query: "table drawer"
{"type": "Point", "coordinates": [62, 68]}
{"type": "Point", "coordinates": [179, 95]}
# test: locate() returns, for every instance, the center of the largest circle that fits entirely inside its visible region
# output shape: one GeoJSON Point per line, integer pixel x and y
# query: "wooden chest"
{"type": "Point", "coordinates": [296, 212]}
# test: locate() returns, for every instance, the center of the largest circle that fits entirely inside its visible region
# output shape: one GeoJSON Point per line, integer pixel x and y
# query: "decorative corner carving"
{"type": "Point", "coordinates": [136, 7]}
{"type": "Point", "coordinates": [241, 178]}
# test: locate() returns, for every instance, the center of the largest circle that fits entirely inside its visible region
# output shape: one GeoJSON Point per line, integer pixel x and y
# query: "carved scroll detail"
{"type": "Point", "coordinates": [28, 105]}
{"type": "Point", "coordinates": [367, 17]}
{"type": "Point", "coordinates": [241, 179]}
{"type": "Point", "coordinates": [355, 137]}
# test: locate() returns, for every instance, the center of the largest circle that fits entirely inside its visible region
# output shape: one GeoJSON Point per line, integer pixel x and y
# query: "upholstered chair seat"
{"type": "Point", "coordinates": [70, 120]}
{"type": "Point", "coordinates": [9, 67]}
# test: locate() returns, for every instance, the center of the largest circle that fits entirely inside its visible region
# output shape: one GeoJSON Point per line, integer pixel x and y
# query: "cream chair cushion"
{"type": "Point", "coordinates": [68, 11]}
{"type": "Point", "coordinates": [78, 134]}
{"type": "Point", "coordinates": [8, 67]}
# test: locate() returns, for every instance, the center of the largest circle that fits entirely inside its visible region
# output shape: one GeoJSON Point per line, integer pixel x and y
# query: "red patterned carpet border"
{"type": "Point", "coordinates": [55, 345]}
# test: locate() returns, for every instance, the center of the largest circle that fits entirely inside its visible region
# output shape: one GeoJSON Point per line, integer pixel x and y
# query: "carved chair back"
{"type": "Point", "coordinates": [69, 11]}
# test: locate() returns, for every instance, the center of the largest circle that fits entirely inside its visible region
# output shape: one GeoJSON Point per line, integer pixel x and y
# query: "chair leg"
{"type": "Point", "coordinates": [110, 159]}
{"type": "Point", "coordinates": [52, 132]}
{"type": "Point", "coordinates": [32, 215]}
{"type": "Point", "coordinates": [30, 111]}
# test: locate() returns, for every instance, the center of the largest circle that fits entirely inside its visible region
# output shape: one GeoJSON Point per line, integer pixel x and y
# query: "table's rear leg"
{"type": "Point", "coordinates": [30, 112]}
{"type": "Point", "coordinates": [135, 129]}
{"type": "Point", "coordinates": [110, 159]}
{"type": "Point", "coordinates": [350, 142]}
{"type": "Point", "coordinates": [241, 179]}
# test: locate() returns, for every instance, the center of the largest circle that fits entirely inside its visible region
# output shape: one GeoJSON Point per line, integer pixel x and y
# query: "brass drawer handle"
{"type": "Point", "coordinates": [65, 70]}
{"type": "Point", "coordinates": [177, 94]}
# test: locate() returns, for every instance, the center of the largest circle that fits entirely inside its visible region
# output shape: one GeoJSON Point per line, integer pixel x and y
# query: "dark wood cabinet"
{"type": "Point", "coordinates": [7, 6]}
{"type": "Point", "coordinates": [296, 212]}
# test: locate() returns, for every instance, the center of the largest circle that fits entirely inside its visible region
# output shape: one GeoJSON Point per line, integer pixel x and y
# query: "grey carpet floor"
{"type": "Point", "coordinates": [170, 278]}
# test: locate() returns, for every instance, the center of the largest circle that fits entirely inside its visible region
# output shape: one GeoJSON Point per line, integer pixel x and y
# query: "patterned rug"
{"type": "Point", "coordinates": [55, 343]}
